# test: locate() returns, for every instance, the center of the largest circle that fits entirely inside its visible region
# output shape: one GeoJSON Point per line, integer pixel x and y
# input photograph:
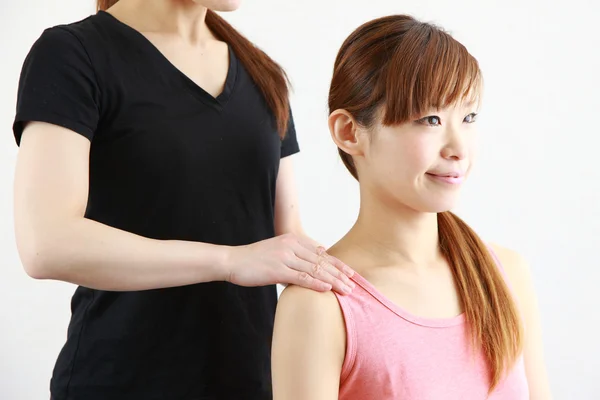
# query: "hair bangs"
{"type": "Point", "coordinates": [429, 70]}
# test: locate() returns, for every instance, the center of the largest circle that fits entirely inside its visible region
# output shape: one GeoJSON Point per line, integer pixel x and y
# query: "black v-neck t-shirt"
{"type": "Point", "coordinates": [167, 161]}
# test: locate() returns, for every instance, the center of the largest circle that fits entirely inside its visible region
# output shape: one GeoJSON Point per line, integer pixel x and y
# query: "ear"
{"type": "Point", "coordinates": [345, 132]}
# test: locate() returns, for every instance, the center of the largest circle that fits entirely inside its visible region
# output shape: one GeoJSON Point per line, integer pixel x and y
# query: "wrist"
{"type": "Point", "coordinates": [226, 264]}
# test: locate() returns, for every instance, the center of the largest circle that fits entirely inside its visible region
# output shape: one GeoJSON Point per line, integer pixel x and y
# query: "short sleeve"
{"type": "Point", "coordinates": [289, 144]}
{"type": "Point", "coordinates": [58, 85]}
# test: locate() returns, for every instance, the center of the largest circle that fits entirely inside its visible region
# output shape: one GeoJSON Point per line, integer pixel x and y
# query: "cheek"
{"type": "Point", "coordinates": [404, 159]}
{"type": "Point", "coordinates": [424, 152]}
{"type": "Point", "coordinates": [473, 148]}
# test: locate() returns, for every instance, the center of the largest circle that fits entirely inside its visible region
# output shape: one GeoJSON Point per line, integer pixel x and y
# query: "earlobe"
{"type": "Point", "coordinates": [344, 132]}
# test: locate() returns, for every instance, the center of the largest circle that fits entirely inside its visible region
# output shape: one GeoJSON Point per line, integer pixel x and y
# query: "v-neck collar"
{"type": "Point", "coordinates": [196, 90]}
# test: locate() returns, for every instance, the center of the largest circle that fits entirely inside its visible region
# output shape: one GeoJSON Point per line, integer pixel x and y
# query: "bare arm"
{"type": "Point", "coordinates": [519, 275]}
{"type": "Point", "coordinates": [287, 214]}
{"type": "Point", "coordinates": [308, 346]}
{"type": "Point", "coordinates": [55, 241]}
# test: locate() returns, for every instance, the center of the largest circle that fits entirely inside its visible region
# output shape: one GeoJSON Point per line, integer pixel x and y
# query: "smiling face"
{"type": "Point", "coordinates": [403, 101]}
{"type": "Point", "coordinates": [420, 164]}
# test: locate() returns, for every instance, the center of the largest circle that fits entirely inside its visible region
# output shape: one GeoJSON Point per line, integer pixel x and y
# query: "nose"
{"type": "Point", "coordinates": [456, 147]}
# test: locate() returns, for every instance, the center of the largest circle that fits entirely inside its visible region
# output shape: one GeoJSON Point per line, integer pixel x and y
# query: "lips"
{"type": "Point", "coordinates": [447, 174]}
{"type": "Point", "coordinates": [452, 178]}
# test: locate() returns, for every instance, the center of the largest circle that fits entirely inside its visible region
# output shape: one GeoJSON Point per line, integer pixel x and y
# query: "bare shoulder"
{"type": "Point", "coordinates": [314, 319]}
{"type": "Point", "coordinates": [515, 265]}
{"type": "Point", "coordinates": [519, 276]}
{"type": "Point", "coordinates": [308, 306]}
{"type": "Point", "coordinates": [309, 342]}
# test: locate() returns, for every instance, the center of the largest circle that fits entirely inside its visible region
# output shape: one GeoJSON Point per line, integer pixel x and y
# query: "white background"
{"type": "Point", "coordinates": [536, 188]}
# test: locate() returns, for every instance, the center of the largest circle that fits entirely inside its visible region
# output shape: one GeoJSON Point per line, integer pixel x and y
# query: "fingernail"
{"type": "Point", "coordinates": [346, 289]}
{"type": "Point", "coordinates": [351, 284]}
{"type": "Point", "coordinates": [348, 271]}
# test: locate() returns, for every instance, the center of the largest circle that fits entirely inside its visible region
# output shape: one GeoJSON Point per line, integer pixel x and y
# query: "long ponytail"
{"type": "Point", "coordinates": [493, 319]}
{"type": "Point", "coordinates": [403, 68]}
{"type": "Point", "coordinates": [266, 74]}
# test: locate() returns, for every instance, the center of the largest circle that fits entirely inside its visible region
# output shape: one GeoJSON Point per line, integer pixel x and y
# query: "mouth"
{"type": "Point", "coordinates": [453, 178]}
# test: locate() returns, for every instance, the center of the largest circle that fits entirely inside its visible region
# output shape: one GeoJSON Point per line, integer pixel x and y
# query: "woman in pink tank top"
{"type": "Point", "coordinates": [435, 314]}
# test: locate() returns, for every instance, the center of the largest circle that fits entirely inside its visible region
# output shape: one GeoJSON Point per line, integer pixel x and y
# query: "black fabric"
{"type": "Point", "coordinates": [167, 161]}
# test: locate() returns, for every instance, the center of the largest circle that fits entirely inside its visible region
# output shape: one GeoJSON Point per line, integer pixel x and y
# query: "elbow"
{"type": "Point", "coordinates": [37, 270]}
{"type": "Point", "coordinates": [45, 249]}
{"type": "Point", "coordinates": [36, 264]}
{"type": "Point", "coordinates": [37, 258]}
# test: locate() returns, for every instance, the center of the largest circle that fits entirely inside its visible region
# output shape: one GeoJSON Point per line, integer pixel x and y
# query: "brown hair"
{"type": "Point", "coordinates": [266, 73]}
{"type": "Point", "coordinates": [402, 68]}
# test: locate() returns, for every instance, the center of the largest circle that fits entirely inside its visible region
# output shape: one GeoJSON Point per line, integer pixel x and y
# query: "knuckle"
{"type": "Point", "coordinates": [290, 257]}
{"type": "Point", "coordinates": [336, 273]}
{"type": "Point", "coordinates": [322, 262]}
{"type": "Point", "coordinates": [287, 257]}
{"type": "Point", "coordinates": [303, 277]}
{"type": "Point", "coordinates": [281, 254]}
{"type": "Point", "coordinates": [316, 269]}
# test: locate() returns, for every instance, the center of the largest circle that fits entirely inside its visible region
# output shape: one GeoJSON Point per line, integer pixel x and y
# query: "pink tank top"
{"type": "Point", "coordinates": [393, 355]}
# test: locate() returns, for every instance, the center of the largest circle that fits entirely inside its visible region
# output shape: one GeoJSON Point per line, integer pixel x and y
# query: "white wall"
{"type": "Point", "coordinates": [537, 187]}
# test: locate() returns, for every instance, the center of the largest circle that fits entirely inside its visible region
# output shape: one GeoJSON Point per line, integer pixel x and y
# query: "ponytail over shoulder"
{"type": "Point", "coordinates": [266, 74]}
{"type": "Point", "coordinates": [493, 318]}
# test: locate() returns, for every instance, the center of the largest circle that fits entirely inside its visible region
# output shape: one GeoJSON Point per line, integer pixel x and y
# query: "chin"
{"type": "Point", "coordinates": [437, 205]}
{"type": "Point", "coordinates": [220, 5]}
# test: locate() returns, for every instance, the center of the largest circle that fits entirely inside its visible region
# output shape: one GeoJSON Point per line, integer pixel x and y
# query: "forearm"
{"type": "Point", "coordinates": [295, 229]}
{"type": "Point", "coordinates": [87, 253]}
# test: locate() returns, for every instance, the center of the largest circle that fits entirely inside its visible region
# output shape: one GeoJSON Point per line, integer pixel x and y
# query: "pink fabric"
{"type": "Point", "coordinates": [393, 355]}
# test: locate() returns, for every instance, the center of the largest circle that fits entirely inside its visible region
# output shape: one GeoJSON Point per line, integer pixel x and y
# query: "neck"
{"type": "Point", "coordinates": [181, 18]}
{"type": "Point", "coordinates": [392, 235]}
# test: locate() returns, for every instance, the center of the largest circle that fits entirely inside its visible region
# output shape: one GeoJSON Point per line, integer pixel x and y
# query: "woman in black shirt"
{"type": "Point", "coordinates": [154, 173]}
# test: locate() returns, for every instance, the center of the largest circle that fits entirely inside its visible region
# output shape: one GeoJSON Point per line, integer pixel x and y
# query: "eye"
{"type": "Point", "coordinates": [431, 120]}
{"type": "Point", "coordinates": [469, 119]}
